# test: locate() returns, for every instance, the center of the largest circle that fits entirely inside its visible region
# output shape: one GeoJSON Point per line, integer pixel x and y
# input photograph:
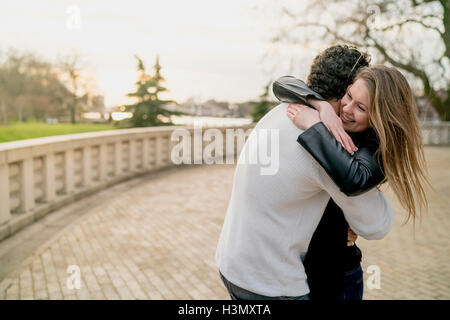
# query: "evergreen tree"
{"type": "Point", "coordinates": [263, 105]}
{"type": "Point", "coordinates": [149, 109]}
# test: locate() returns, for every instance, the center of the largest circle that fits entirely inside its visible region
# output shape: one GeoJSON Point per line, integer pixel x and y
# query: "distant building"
{"type": "Point", "coordinates": [210, 108]}
{"type": "Point", "coordinates": [213, 108]}
{"type": "Point", "coordinates": [244, 109]}
{"type": "Point", "coordinates": [97, 104]}
{"type": "Point", "coordinates": [95, 109]}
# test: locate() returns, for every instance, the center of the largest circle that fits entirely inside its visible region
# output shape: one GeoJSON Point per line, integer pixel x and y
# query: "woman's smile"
{"type": "Point", "coordinates": [346, 118]}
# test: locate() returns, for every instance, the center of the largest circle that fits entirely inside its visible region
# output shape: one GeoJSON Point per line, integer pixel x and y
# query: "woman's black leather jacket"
{"type": "Point", "coordinates": [353, 174]}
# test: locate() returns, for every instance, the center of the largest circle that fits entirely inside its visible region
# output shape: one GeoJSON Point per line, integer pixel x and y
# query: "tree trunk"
{"type": "Point", "coordinates": [4, 114]}
{"type": "Point", "coordinates": [446, 115]}
{"type": "Point", "coordinates": [19, 113]}
{"type": "Point", "coordinates": [73, 113]}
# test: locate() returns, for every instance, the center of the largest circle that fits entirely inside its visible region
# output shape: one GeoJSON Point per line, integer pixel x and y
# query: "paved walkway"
{"type": "Point", "coordinates": [155, 238]}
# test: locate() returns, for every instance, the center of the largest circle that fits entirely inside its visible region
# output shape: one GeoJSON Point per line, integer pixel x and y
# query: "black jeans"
{"type": "Point", "coordinates": [237, 293]}
{"type": "Point", "coordinates": [354, 285]}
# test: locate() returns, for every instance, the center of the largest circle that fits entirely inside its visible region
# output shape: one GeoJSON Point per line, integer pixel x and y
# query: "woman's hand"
{"type": "Point", "coordinates": [329, 118]}
{"type": "Point", "coordinates": [334, 125]}
{"type": "Point", "coordinates": [302, 116]}
{"type": "Point", "coordinates": [351, 237]}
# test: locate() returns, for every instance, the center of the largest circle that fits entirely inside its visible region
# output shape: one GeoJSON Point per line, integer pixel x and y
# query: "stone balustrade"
{"type": "Point", "coordinates": [40, 175]}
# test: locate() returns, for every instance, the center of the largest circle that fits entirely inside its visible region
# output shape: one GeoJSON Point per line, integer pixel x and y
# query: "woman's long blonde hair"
{"type": "Point", "coordinates": [393, 115]}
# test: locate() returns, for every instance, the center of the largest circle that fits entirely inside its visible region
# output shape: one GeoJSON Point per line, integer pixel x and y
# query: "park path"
{"type": "Point", "coordinates": [156, 239]}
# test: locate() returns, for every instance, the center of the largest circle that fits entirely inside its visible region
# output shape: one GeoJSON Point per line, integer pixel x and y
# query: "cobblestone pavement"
{"type": "Point", "coordinates": [157, 240]}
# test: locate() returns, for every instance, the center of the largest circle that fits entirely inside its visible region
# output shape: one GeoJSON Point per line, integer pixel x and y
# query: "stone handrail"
{"type": "Point", "coordinates": [40, 175]}
{"type": "Point", "coordinates": [436, 133]}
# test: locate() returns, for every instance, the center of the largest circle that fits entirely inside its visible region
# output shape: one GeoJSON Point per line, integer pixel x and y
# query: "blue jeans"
{"type": "Point", "coordinates": [237, 293]}
{"type": "Point", "coordinates": [354, 285]}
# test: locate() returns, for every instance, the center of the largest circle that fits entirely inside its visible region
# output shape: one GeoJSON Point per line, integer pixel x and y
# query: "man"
{"type": "Point", "coordinates": [271, 218]}
{"type": "Point", "coordinates": [333, 261]}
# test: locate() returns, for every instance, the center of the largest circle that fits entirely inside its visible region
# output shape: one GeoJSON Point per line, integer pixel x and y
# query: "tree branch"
{"type": "Point", "coordinates": [400, 24]}
{"type": "Point", "coordinates": [417, 3]}
{"type": "Point", "coordinates": [427, 87]}
{"type": "Point", "coordinates": [334, 33]}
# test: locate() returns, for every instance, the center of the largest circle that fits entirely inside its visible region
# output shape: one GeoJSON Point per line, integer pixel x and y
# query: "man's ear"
{"type": "Point", "coordinates": [349, 86]}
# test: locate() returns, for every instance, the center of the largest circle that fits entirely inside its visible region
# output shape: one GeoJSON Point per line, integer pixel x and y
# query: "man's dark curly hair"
{"type": "Point", "coordinates": [334, 69]}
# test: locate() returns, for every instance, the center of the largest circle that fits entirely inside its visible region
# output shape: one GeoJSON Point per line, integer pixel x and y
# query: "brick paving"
{"type": "Point", "coordinates": [156, 240]}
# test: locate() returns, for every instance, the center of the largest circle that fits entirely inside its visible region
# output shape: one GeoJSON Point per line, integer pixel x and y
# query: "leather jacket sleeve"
{"type": "Point", "coordinates": [292, 90]}
{"type": "Point", "coordinates": [353, 174]}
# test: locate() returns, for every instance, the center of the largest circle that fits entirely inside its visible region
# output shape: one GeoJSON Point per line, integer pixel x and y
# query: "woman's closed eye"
{"type": "Point", "coordinates": [359, 106]}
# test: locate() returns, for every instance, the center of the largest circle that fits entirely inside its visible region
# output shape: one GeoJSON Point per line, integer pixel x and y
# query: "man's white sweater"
{"type": "Point", "coordinates": [271, 218]}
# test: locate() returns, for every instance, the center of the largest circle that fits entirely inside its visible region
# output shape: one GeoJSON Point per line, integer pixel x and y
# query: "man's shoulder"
{"type": "Point", "coordinates": [276, 118]}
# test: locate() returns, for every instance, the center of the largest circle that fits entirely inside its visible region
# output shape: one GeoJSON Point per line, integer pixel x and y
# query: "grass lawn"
{"type": "Point", "coordinates": [29, 130]}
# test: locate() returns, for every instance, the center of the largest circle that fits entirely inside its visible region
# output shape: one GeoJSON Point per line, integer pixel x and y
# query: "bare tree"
{"type": "Point", "coordinates": [412, 35]}
{"type": "Point", "coordinates": [29, 87]}
{"type": "Point", "coordinates": [73, 75]}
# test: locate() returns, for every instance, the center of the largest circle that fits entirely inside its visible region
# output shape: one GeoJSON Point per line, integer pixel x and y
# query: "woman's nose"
{"type": "Point", "coordinates": [347, 107]}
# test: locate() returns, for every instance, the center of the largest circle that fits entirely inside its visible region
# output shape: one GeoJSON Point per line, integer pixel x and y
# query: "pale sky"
{"type": "Point", "coordinates": [208, 48]}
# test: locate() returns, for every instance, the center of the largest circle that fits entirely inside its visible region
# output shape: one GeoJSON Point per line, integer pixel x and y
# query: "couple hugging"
{"type": "Point", "coordinates": [350, 128]}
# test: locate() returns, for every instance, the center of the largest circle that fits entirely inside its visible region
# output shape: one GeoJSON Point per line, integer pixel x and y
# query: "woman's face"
{"type": "Point", "coordinates": [355, 107]}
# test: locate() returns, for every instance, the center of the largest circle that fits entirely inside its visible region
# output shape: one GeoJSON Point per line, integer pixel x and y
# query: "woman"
{"type": "Point", "coordinates": [381, 118]}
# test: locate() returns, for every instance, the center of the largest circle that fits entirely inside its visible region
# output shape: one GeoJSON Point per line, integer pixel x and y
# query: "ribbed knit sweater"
{"type": "Point", "coordinates": [271, 217]}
